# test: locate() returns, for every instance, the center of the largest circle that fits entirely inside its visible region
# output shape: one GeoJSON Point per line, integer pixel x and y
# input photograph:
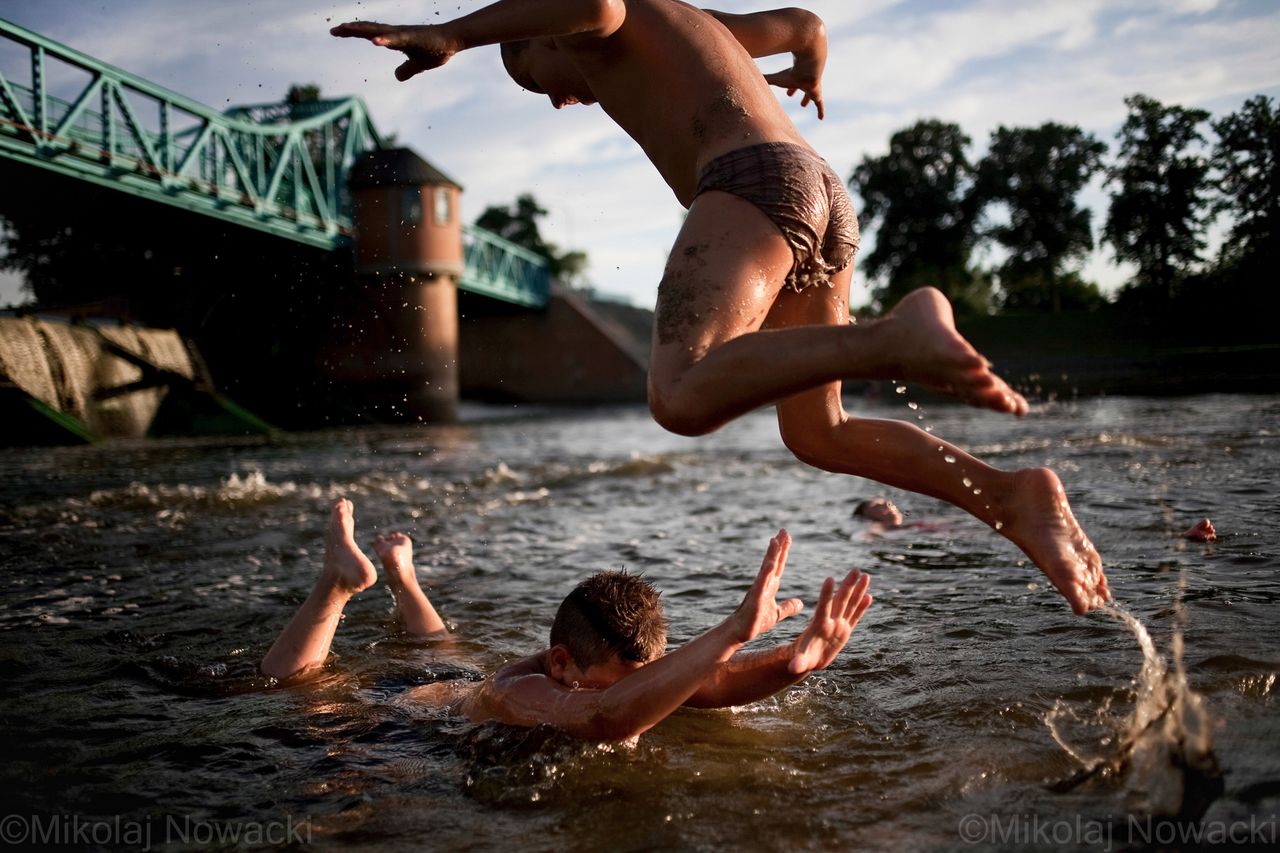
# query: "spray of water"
{"type": "Point", "coordinates": [1163, 750]}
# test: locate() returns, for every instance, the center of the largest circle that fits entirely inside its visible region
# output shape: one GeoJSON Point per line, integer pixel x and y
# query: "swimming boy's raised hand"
{"type": "Point", "coordinates": [834, 619]}
{"type": "Point", "coordinates": [759, 610]}
{"type": "Point", "coordinates": [425, 46]}
{"type": "Point", "coordinates": [754, 674]}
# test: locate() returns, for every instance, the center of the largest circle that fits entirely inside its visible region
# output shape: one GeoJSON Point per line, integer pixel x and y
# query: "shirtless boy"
{"type": "Point", "coordinates": [753, 307]}
{"type": "Point", "coordinates": [605, 675]}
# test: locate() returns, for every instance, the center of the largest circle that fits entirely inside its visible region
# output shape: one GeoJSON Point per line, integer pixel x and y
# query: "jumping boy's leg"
{"type": "Point", "coordinates": [395, 550]}
{"type": "Point", "coordinates": [304, 642]}
{"type": "Point", "coordinates": [1028, 506]}
{"type": "Point", "coordinates": [711, 363]}
{"type": "Point", "coordinates": [724, 281]}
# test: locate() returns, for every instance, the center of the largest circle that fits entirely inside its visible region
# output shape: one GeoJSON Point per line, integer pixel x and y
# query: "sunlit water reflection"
{"type": "Point", "coordinates": [142, 582]}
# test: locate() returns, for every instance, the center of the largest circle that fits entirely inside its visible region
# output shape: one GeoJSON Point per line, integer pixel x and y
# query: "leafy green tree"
{"type": "Point", "coordinates": [1160, 206]}
{"type": "Point", "coordinates": [1247, 158]}
{"type": "Point", "coordinates": [302, 93]}
{"type": "Point", "coordinates": [519, 224]}
{"type": "Point", "coordinates": [1037, 173]}
{"type": "Point", "coordinates": [916, 197]}
{"type": "Point", "coordinates": [571, 267]}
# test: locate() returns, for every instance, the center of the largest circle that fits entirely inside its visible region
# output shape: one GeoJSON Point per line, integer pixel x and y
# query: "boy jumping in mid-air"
{"type": "Point", "coordinates": [605, 675]}
{"type": "Point", "coordinates": [753, 305]}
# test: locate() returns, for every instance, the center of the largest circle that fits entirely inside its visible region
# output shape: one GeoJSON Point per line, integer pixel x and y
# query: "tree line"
{"type": "Point", "coordinates": [932, 209]}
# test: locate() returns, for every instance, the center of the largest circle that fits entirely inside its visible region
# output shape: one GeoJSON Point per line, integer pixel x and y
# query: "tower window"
{"type": "Point", "coordinates": [410, 206]}
{"type": "Point", "coordinates": [443, 206]}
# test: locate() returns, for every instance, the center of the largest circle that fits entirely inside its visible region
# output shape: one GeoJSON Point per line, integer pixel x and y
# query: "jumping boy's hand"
{"type": "Point", "coordinates": [425, 46]}
{"type": "Point", "coordinates": [796, 79]}
{"type": "Point", "coordinates": [833, 621]}
{"type": "Point", "coordinates": [759, 610]}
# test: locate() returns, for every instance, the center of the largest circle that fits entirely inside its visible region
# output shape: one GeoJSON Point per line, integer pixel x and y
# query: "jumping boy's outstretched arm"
{"type": "Point", "coordinates": [430, 46]}
{"type": "Point", "coordinates": [796, 31]}
{"type": "Point", "coordinates": [640, 700]}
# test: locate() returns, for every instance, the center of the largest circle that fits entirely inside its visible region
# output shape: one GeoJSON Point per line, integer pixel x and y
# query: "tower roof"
{"type": "Point", "coordinates": [395, 167]}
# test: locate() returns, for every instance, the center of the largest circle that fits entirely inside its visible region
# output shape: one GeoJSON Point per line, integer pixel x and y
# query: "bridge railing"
{"type": "Point", "coordinates": [284, 176]}
{"type": "Point", "coordinates": [496, 267]}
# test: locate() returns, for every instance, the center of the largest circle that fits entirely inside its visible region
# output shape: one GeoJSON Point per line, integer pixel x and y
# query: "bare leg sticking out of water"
{"type": "Point", "coordinates": [304, 643]}
{"type": "Point", "coordinates": [395, 550]}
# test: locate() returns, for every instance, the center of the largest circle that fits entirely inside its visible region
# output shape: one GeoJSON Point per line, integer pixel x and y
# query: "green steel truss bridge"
{"type": "Point", "coordinates": [278, 168]}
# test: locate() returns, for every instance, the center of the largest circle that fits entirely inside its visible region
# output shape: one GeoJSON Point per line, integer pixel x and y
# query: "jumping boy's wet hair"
{"type": "Point", "coordinates": [611, 613]}
{"type": "Point", "coordinates": [512, 51]}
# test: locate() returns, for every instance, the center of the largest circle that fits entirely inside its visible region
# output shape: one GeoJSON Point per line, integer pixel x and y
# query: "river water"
{"type": "Point", "coordinates": [142, 582]}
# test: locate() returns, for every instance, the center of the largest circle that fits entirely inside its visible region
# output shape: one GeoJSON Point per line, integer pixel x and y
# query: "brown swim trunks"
{"type": "Point", "coordinates": [800, 194]}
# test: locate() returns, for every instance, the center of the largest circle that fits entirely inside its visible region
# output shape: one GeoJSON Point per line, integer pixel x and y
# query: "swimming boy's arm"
{"type": "Point", "coordinates": [754, 675]}
{"type": "Point", "coordinates": [637, 702]}
{"type": "Point", "coordinates": [796, 31]}
{"type": "Point", "coordinates": [431, 45]}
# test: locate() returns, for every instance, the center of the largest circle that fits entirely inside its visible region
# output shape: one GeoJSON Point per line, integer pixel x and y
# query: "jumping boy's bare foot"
{"type": "Point", "coordinates": [1038, 519]}
{"type": "Point", "coordinates": [922, 345]}
{"type": "Point", "coordinates": [346, 567]}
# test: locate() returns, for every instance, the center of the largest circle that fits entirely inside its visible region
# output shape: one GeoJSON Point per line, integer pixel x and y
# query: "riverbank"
{"type": "Point", "coordinates": [1089, 354]}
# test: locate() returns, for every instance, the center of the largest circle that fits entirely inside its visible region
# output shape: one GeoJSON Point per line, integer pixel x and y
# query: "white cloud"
{"type": "Point", "coordinates": [1196, 7]}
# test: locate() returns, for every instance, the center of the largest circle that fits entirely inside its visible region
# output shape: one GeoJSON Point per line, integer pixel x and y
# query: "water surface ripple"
{"type": "Point", "coordinates": [142, 582]}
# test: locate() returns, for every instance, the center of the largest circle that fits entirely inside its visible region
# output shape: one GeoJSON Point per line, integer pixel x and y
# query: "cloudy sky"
{"type": "Point", "coordinates": [980, 63]}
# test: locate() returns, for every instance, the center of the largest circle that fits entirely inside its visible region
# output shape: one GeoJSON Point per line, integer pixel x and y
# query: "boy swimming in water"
{"type": "Point", "coordinates": [753, 307]}
{"type": "Point", "coordinates": [606, 675]}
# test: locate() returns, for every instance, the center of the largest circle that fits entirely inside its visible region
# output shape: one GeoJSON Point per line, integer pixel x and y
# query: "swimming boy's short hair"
{"type": "Point", "coordinates": [611, 613]}
{"type": "Point", "coordinates": [512, 51]}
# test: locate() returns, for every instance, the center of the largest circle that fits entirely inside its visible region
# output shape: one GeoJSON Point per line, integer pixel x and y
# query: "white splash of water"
{"type": "Point", "coordinates": [1164, 747]}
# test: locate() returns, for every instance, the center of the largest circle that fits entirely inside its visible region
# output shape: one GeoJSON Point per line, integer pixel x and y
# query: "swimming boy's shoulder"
{"type": "Point", "coordinates": [522, 693]}
{"type": "Point", "coordinates": [533, 665]}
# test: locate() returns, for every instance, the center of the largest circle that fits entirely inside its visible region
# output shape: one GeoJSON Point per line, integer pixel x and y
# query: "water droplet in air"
{"type": "Point", "coordinates": [949, 459]}
{"type": "Point", "coordinates": [901, 389]}
{"type": "Point", "coordinates": [913, 406]}
{"type": "Point", "coordinates": [967, 482]}
{"type": "Point", "coordinates": [999, 524]}
{"type": "Point", "coordinates": [977, 491]}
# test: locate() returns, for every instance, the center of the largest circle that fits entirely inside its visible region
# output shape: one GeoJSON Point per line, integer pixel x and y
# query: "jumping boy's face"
{"type": "Point", "coordinates": [543, 70]}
